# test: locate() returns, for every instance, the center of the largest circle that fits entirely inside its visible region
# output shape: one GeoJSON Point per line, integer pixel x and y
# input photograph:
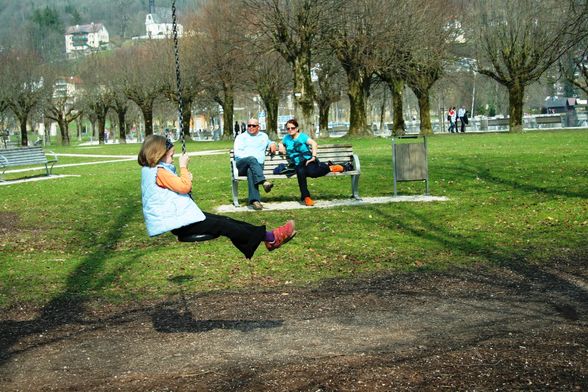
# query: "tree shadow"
{"type": "Point", "coordinates": [530, 275]}
{"type": "Point", "coordinates": [69, 307]}
{"type": "Point", "coordinates": [486, 174]}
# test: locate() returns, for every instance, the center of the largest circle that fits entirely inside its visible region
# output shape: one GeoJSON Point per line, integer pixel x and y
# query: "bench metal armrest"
{"type": "Point", "coordinates": [356, 165]}
{"type": "Point", "coordinates": [234, 171]}
{"type": "Point", "coordinates": [3, 166]}
{"type": "Point", "coordinates": [51, 161]}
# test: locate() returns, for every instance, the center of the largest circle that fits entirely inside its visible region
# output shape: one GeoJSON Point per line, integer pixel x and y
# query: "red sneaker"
{"type": "Point", "coordinates": [282, 235]}
{"type": "Point", "coordinates": [308, 201]}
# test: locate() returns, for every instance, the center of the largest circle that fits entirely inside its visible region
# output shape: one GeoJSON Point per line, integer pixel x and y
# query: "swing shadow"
{"type": "Point", "coordinates": [170, 319]}
{"type": "Point", "coordinates": [174, 317]}
{"type": "Point", "coordinates": [69, 306]}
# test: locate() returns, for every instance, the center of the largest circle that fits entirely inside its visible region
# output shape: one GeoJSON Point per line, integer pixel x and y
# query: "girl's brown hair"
{"type": "Point", "coordinates": [152, 150]}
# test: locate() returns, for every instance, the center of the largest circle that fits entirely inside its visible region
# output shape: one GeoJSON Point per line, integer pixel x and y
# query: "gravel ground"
{"type": "Point", "coordinates": [511, 327]}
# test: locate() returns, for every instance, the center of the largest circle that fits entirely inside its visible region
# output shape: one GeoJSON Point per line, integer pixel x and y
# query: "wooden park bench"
{"type": "Point", "coordinates": [499, 123]}
{"type": "Point", "coordinates": [337, 153]}
{"type": "Point", "coordinates": [25, 156]}
{"type": "Point", "coordinates": [551, 121]}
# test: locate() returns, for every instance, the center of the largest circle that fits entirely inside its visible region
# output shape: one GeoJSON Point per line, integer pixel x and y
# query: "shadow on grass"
{"type": "Point", "coordinates": [69, 306]}
{"type": "Point", "coordinates": [467, 169]}
{"type": "Point", "coordinates": [481, 314]}
{"type": "Point", "coordinates": [514, 260]}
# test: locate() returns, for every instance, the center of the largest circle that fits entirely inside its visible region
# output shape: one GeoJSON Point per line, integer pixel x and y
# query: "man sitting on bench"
{"type": "Point", "coordinates": [249, 152]}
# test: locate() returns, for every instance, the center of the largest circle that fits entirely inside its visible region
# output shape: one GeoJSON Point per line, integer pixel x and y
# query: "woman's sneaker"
{"type": "Point", "coordinates": [308, 201]}
{"type": "Point", "coordinates": [336, 168]}
{"type": "Point", "coordinates": [282, 235]}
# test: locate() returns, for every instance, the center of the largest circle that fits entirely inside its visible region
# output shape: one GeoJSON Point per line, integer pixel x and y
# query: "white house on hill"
{"type": "Point", "coordinates": [158, 24]}
{"type": "Point", "coordinates": [86, 38]}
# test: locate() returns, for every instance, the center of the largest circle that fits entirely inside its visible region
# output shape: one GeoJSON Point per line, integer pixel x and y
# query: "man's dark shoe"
{"type": "Point", "coordinates": [267, 186]}
{"type": "Point", "coordinates": [256, 205]}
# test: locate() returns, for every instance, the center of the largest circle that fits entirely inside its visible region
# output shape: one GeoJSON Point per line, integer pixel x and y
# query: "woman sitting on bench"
{"type": "Point", "coordinates": [168, 205]}
{"type": "Point", "coordinates": [301, 150]}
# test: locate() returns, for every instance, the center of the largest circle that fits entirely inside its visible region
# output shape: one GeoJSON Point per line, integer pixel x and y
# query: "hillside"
{"type": "Point", "coordinates": [40, 24]}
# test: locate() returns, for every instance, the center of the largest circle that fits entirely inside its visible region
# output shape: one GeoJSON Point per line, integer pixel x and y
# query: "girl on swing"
{"type": "Point", "coordinates": [168, 206]}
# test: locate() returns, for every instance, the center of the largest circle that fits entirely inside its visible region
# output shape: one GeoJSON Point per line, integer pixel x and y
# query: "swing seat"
{"type": "Point", "coordinates": [197, 238]}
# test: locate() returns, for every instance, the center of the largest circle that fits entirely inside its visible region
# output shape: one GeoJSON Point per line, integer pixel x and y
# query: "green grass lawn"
{"type": "Point", "coordinates": [512, 198]}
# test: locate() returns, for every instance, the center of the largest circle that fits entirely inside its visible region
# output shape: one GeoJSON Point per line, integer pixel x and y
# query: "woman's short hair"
{"type": "Point", "coordinates": [152, 150]}
{"type": "Point", "coordinates": [293, 122]}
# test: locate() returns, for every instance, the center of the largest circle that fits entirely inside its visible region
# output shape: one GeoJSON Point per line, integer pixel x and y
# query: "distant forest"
{"type": "Point", "coordinates": [41, 24]}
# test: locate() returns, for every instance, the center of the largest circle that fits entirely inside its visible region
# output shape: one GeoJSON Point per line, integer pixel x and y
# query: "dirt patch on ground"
{"type": "Point", "coordinates": [515, 327]}
{"type": "Point", "coordinates": [8, 222]}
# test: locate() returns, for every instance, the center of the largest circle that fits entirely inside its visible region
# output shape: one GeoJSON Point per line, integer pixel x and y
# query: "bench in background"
{"type": "Point", "coordinates": [24, 156]}
{"type": "Point", "coordinates": [551, 121]}
{"type": "Point", "coordinates": [336, 153]}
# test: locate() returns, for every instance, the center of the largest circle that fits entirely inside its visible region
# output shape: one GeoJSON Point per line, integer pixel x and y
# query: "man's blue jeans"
{"type": "Point", "coordinates": [254, 171]}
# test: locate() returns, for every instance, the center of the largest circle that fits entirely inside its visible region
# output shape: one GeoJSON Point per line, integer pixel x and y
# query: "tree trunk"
{"type": "Point", "coordinates": [397, 89]}
{"type": "Point", "coordinates": [357, 100]}
{"type": "Point", "coordinates": [93, 124]}
{"type": "Point", "coordinates": [79, 127]}
{"type": "Point", "coordinates": [147, 110]}
{"type": "Point", "coordinates": [122, 125]}
{"type": "Point", "coordinates": [101, 120]}
{"type": "Point", "coordinates": [383, 113]}
{"type": "Point", "coordinates": [516, 93]}
{"type": "Point", "coordinates": [304, 94]}
{"type": "Point", "coordinates": [24, 139]}
{"type": "Point", "coordinates": [425, 112]}
{"type": "Point", "coordinates": [271, 108]}
{"type": "Point", "coordinates": [228, 104]}
{"type": "Point", "coordinates": [324, 117]}
{"type": "Point", "coordinates": [64, 131]}
{"type": "Point", "coordinates": [186, 117]}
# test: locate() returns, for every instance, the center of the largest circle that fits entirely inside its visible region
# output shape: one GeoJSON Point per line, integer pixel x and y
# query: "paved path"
{"type": "Point", "coordinates": [119, 158]}
{"type": "Point", "coordinates": [294, 205]}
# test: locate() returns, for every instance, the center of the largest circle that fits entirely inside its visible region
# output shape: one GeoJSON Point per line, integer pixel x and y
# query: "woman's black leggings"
{"type": "Point", "coordinates": [312, 170]}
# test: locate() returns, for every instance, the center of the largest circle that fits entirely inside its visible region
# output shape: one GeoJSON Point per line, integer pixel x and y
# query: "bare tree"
{"type": "Point", "coordinates": [426, 59]}
{"type": "Point", "coordinates": [268, 74]}
{"type": "Point", "coordinates": [361, 27]}
{"type": "Point", "coordinates": [60, 108]}
{"type": "Point", "coordinates": [330, 82]}
{"type": "Point", "coordinates": [294, 27]}
{"type": "Point", "coordinates": [574, 67]}
{"type": "Point", "coordinates": [393, 57]}
{"type": "Point", "coordinates": [271, 77]}
{"type": "Point", "coordinates": [519, 40]}
{"type": "Point", "coordinates": [143, 76]}
{"type": "Point", "coordinates": [26, 84]}
{"type": "Point", "coordinates": [219, 43]}
{"type": "Point", "coordinates": [97, 97]}
{"type": "Point", "coordinates": [191, 84]}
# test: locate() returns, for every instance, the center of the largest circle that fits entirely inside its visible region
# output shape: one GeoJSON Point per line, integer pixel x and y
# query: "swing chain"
{"type": "Point", "coordinates": [178, 79]}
